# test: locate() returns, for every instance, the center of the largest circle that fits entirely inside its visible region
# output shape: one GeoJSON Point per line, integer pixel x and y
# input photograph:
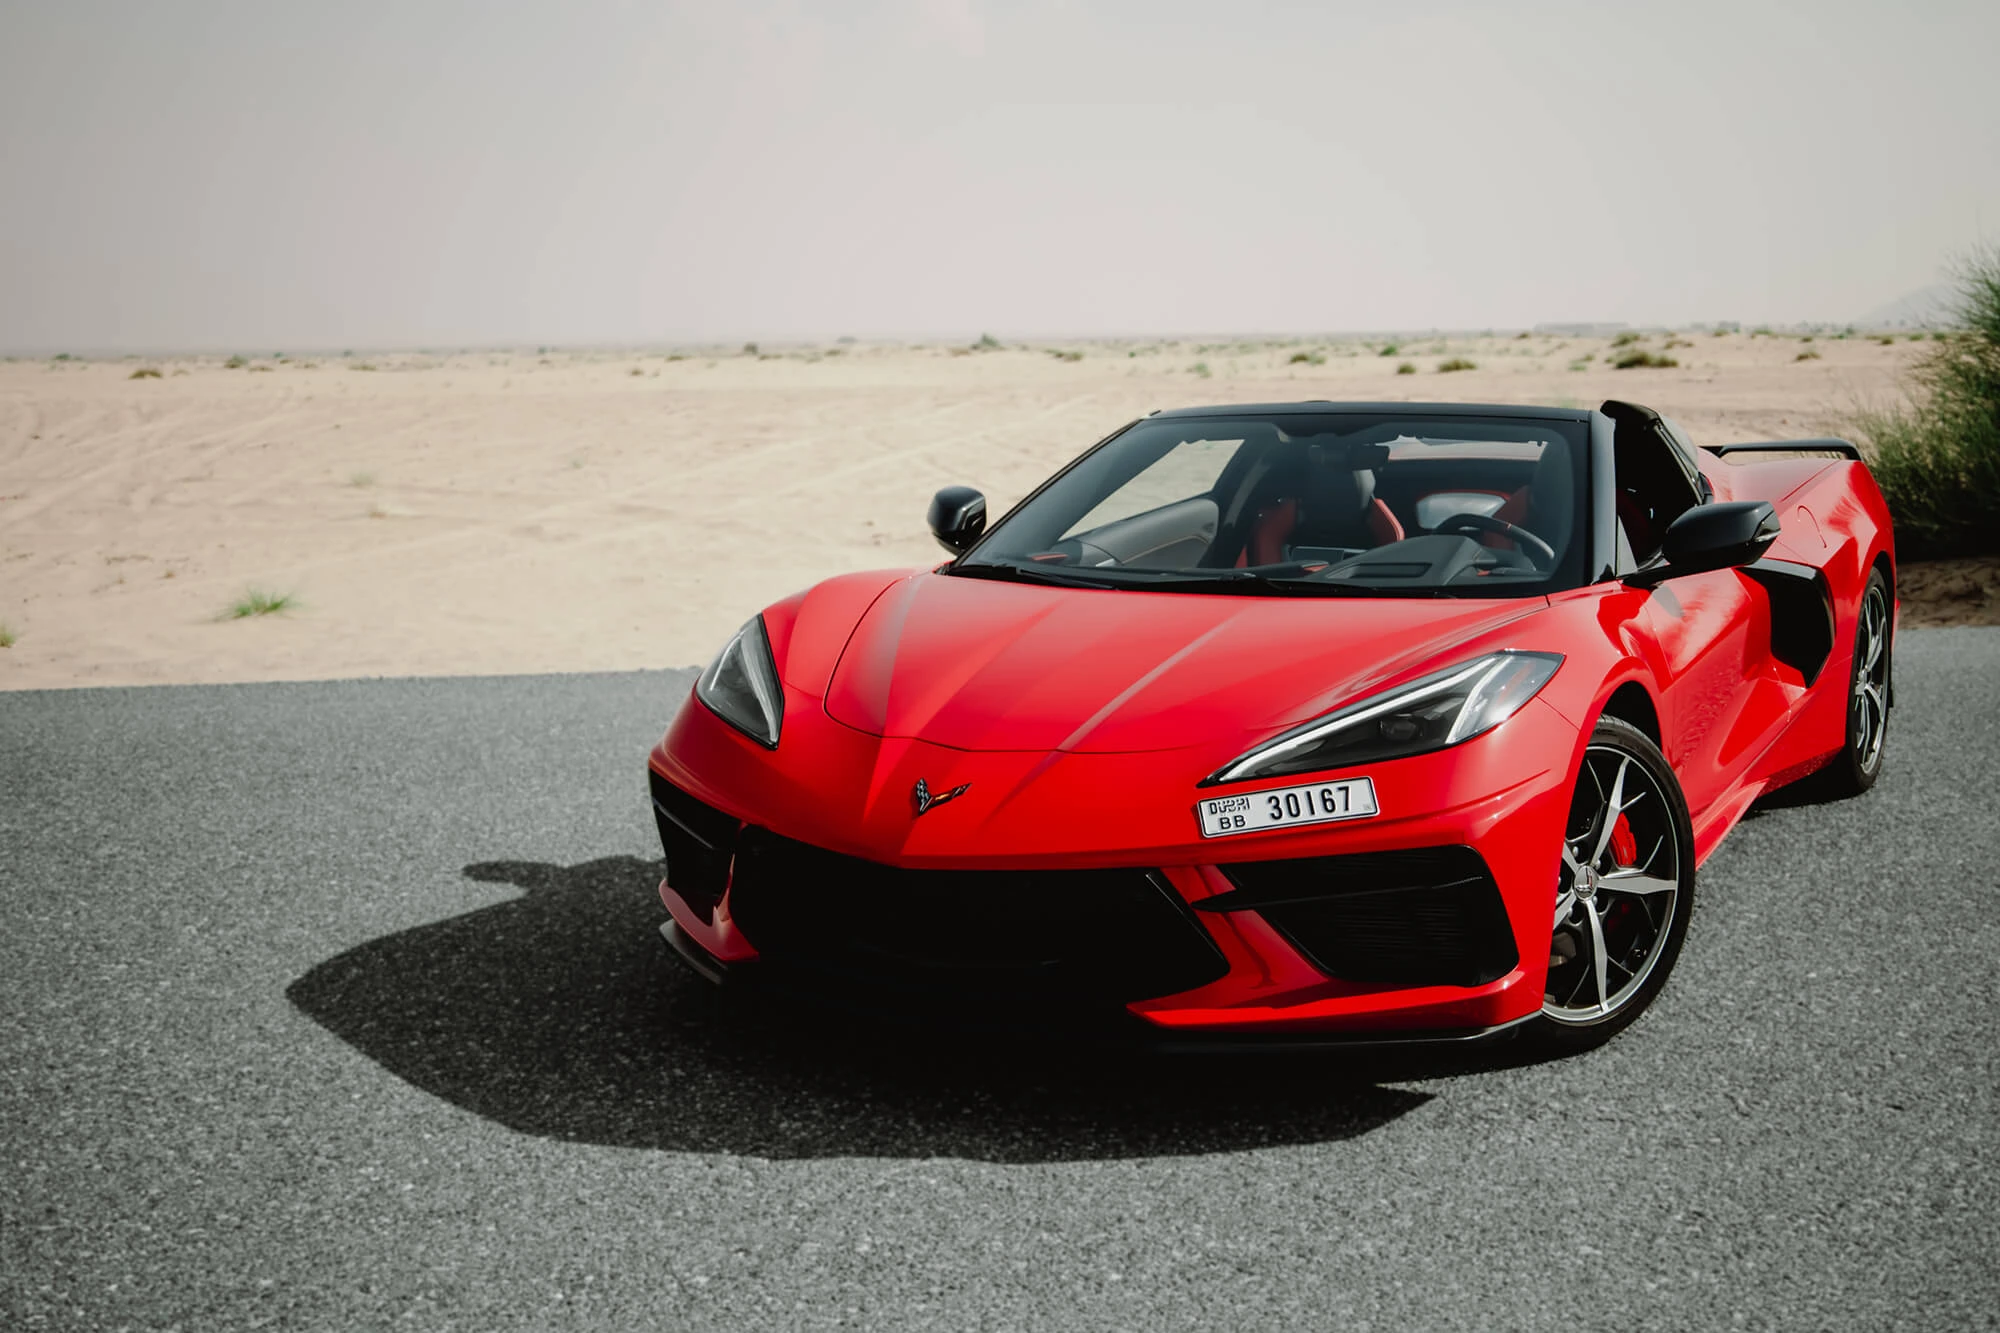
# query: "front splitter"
{"type": "Point", "coordinates": [1094, 1026]}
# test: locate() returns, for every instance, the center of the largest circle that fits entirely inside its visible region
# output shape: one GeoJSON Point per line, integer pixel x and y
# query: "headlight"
{"type": "Point", "coordinates": [741, 685]}
{"type": "Point", "coordinates": [1427, 714]}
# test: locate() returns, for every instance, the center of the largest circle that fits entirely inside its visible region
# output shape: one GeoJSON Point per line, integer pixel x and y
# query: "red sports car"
{"type": "Point", "coordinates": [1333, 721]}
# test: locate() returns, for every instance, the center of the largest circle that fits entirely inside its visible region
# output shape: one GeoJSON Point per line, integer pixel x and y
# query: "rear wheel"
{"type": "Point", "coordinates": [1624, 888]}
{"type": "Point", "coordinates": [1859, 762]}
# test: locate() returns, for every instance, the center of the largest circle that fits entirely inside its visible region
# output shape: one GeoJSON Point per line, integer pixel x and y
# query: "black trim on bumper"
{"type": "Point", "coordinates": [1087, 1027]}
{"type": "Point", "coordinates": [1117, 935]}
{"type": "Point", "coordinates": [697, 959]}
{"type": "Point", "coordinates": [1424, 917]}
{"type": "Point", "coordinates": [698, 840]}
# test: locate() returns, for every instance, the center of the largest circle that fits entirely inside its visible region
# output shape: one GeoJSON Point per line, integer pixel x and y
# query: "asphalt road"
{"type": "Point", "coordinates": [340, 1006]}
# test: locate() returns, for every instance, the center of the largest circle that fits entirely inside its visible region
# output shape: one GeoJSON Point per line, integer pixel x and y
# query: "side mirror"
{"type": "Point", "coordinates": [1719, 535]}
{"type": "Point", "coordinates": [958, 516]}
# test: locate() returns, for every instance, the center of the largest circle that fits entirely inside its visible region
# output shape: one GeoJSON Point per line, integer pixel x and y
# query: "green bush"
{"type": "Point", "coordinates": [1456, 363]}
{"type": "Point", "coordinates": [1937, 456]}
{"type": "Point", "coordinates": [257, 602]}
{"type": "Point", "coordinates": [1406, 368]}
{"type": "Point", "coordinates": [1641, 359]}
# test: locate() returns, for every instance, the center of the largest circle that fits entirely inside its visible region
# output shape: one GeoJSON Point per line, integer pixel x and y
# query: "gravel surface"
{"type": "Point", "coordinates": [340, 1006]}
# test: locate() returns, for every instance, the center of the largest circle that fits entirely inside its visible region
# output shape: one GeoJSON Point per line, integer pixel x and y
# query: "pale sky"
{"type": "Point", "coordinates": [415, 173]}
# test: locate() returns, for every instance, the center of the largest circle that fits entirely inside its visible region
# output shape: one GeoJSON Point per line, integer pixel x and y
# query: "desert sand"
{"type": "Point", "coordinates": [490, 512]}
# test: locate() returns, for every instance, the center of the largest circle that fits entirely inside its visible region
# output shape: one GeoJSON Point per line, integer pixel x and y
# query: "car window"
{"type": "Point", "coordinates": [1652, 487]}
{"type": "Point", "coordinates": [1187, 470]}
{"type": "Point", "coordinates": [1339, 503]}
{"type": "Point", "coordinates": [1690, 457]}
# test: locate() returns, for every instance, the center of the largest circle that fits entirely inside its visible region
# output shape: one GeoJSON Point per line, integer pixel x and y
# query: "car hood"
{"type": "Point", "coordinates": [982, 665]}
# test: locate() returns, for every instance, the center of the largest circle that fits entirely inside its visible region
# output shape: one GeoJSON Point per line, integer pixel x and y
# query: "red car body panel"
{"type": "Point", "coordinates": [1005, 666]}
{"type": "Point", "coordinates": [1084, 719]}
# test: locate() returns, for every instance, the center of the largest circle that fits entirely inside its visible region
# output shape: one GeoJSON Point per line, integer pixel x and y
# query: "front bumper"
{"type": "Point", "coordinates": [1503, 796]}
{"type": "Point", "coordinates": [1125, 1030]}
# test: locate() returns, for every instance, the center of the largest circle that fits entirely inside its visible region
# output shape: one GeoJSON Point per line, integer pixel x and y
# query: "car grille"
{"type": "Point", "coordinates": [698, 841]}
{"type": "Point", "coordinates": [1112, 935]}
{"type": "Point", "coordinates": [1425, 917]}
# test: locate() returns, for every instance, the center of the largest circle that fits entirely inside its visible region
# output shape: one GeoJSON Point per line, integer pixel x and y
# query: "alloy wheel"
{"type": "Point", "coordinates": [1617, 889]}
{"type": "Point", "coordinates": [1868, 712]}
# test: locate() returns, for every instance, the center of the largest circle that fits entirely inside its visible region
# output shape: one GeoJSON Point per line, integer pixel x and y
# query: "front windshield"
{"type": "Point", "coordinates": [1367, 504]}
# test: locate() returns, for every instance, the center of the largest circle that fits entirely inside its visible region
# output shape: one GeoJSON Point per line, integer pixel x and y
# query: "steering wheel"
{"type": "Point", "coordinates": [1539, 552]}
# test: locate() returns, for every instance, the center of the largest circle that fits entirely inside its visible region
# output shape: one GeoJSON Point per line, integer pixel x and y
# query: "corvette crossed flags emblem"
{"type": "Point", "coordinates": [927, 802]}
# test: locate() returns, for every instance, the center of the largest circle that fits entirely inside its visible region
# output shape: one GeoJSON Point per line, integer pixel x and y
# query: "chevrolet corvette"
{"type": "Point", "coordinates": [1321, 722]}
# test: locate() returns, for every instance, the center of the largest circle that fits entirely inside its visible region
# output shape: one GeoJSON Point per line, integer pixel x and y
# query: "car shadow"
{"type": "Point", "coordinates": [560, 1013]}
{"type": "Point", "coordinates": [1813, 789]}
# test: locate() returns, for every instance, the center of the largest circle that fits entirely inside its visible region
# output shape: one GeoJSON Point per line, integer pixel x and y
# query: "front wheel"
{"type": "Point", "coordinates": [1623, 892]}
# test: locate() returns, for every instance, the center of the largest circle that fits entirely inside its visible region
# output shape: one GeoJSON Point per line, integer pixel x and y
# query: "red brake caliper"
{"type": "Point", "coordinates": [1624, 847]}
{"type": "Point", "coordinates": [1624, 851]}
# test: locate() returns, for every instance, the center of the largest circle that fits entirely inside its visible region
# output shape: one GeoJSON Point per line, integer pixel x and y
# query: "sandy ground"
{"type": "Point", "coordinates": [482, 513]}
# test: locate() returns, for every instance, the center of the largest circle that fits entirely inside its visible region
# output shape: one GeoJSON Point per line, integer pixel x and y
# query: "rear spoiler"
{"type": "Point", "coordinates": [1845, 448]}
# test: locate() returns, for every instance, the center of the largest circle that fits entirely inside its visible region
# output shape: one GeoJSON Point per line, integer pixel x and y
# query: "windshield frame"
{"type": "Point", "coordinates": [1575, 429]}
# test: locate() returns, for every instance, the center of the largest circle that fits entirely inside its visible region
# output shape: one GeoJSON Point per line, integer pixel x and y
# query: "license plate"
{"type": "Point", "coordinates": [1283, 807]}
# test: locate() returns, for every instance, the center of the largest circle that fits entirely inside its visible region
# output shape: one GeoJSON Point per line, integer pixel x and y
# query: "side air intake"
{"type": "Point", "coordinates": [1426, 917]}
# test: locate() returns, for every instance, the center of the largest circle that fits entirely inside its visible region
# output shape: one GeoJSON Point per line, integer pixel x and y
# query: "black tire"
{"type": "Point", "coordinates": [1640, 910]}
{"type": "Point", "coordinates": [1859, 762]}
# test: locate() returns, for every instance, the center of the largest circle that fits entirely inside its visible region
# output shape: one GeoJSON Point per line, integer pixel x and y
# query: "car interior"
{"type": "Point", "coordinates": [1419, 503]}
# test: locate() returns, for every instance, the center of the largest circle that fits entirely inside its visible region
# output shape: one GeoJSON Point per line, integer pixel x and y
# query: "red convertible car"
{"type": "Point", "coordinates": [1328, 721]}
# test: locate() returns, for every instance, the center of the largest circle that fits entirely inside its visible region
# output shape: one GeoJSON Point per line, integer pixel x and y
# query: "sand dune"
{"type": "Point", "coordinates": [486, 513]}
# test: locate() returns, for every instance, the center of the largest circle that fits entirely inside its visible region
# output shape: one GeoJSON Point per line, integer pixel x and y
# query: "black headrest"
{"type": "Point", "coordinates": [1334, 492]}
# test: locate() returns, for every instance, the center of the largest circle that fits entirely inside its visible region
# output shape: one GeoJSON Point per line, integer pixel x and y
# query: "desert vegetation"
{"type": "Point", "coordinates": [1937, 454]}
{"type": "Point", "coordinates": [257, 602]}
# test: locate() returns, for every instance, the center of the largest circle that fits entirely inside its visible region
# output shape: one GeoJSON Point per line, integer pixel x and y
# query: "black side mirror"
{"type": "Point", "coordinates": [958, 516]}
{"type": "Point", "coordinates": [1719, 535]}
